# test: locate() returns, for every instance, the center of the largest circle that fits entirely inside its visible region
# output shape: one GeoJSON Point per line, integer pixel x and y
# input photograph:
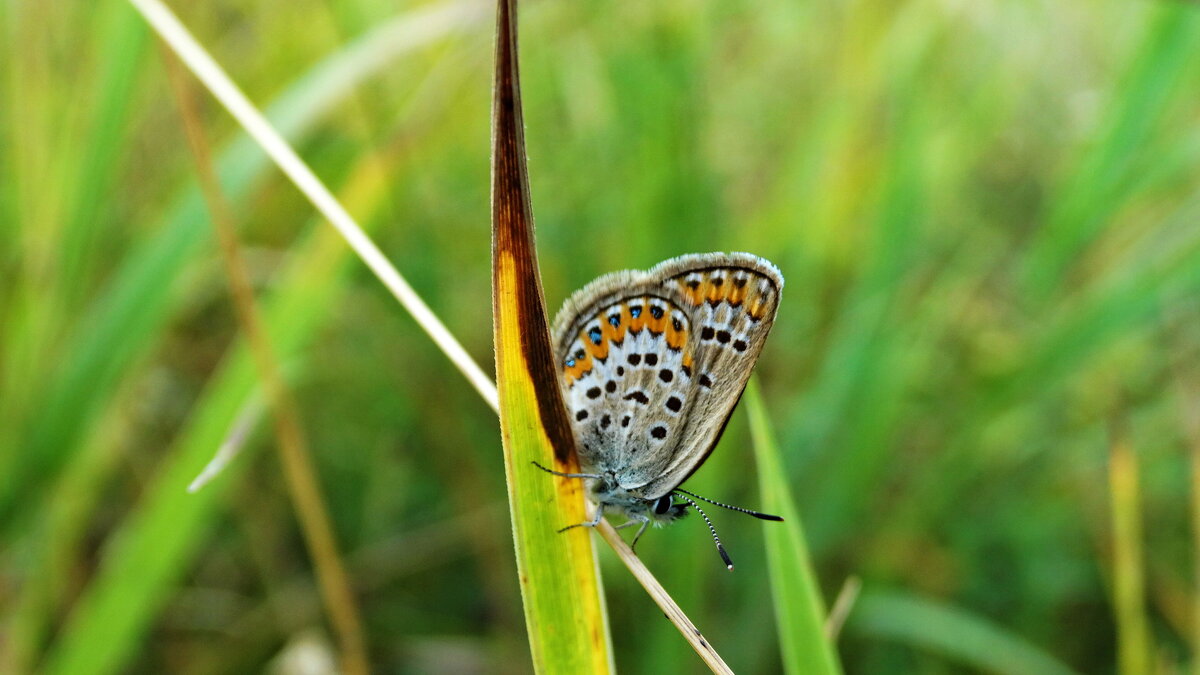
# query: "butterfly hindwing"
{"type": "Point", "coordinates": [619, 383]}
{"type": "Point", "coordinates": [653, 362]}
{"type": "Point", "coordinates": [733, 300]}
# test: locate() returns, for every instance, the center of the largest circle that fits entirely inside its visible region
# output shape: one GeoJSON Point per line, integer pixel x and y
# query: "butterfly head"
{"type": "Point", "coordinates": [664, 509]}
{"type": "Point", "coordinates": [612, 497]}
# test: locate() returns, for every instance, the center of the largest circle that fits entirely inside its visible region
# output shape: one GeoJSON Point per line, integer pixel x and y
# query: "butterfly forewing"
{"type": "Point", "coordinates": [618, 375]}
{"type": "Point", "coordinates": [653, 362]}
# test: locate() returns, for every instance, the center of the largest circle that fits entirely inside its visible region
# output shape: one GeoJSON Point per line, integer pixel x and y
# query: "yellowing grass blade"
{"type": "Point", "coordinates": [799, 610]}
{"type": "Point", "coordinates": [1135, 652]}
{"type": "Point", "coordinates": [560, 587]}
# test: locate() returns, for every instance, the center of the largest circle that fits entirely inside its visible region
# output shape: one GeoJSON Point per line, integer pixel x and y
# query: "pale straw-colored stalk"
{"type": "Point", "coordinates": [214, 78]}
{"type": "Point", "coordinates": [198, 60]}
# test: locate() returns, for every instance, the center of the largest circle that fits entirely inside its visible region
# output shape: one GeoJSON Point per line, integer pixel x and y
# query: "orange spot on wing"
{"type": "Point", "coordinates": [676, 338]}
{"type": "Point", "coordinates": [693, 295]}
{"type": "Point", "coordinates": [637, 323]}
{"type": "Point", "coordinates": [737, 294]}
{"type": "Point", "coordinates": [598, 351]}
{"type": "Point", "coordinates": [616, 333]}
{"type": "Point", "coordinates": [715, 293]}
{"type": "Point", "coordinates": [656, 325]}
{"type": "Point", "coordinates": [582, 367]}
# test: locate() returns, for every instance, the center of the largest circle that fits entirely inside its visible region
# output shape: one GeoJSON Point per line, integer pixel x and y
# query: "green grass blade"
{"type": "Point", "coordinates": [1117, 308]}
{"type": "Point", "coordinates": [135, 306]}
{"type": "Point", "coordinates": [560, 583]}
{"type": "Point", "coordinates": [799, 609]}
{"type": "Point", "coordinates": [122, 40]}
{"type": "Point", "coordinates": [950, 632]}
{"type": "Point", "coordinates": [1084, 207]}
{"type": "Point", "coordinates": [150, 550]}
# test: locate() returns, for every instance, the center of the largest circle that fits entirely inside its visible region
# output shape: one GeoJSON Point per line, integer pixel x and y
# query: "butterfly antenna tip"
{"type": "Point", "coordinates": [712, 530]}
{"type": "Point", "coordinates": [749, 512]}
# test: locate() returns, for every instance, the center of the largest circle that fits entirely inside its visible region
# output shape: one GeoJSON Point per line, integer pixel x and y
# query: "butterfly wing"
{"type": "Point", "coordinates": [654, 362]}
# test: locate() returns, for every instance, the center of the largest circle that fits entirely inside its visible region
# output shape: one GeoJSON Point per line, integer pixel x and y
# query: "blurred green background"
{"type": "Point", "coordinates": [987, 214]}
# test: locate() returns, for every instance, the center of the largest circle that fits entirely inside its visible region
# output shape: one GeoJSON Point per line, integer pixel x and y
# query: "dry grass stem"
{"type": "Point", "coordinates": [1134, 653]}
{"type": "Point", "coordinates": [842, 606]}
{"type": "Point", "coordinates": [303, 487]}
{"type": "Point", "coordinates": [663, 599]}
{"type": "Point", "coordinates": [198, 60]}
{"type": "Point", "coordinates": [247, 418]}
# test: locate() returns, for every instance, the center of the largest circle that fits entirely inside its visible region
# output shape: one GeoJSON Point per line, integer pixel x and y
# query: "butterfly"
{"type": "Point", "coordinates": [652, 364]}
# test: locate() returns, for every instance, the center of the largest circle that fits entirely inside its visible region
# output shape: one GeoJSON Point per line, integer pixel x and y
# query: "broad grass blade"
{"type": "Point", "coordinates": [560, 586]}
{"type": "Point", "coordinates": [951, 632]}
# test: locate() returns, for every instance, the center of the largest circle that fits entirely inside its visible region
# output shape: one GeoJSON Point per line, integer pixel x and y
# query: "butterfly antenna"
{"type": "Point", "coordinates": [756, 514]}
{"type": "Point", "coordinates": [713, 530]}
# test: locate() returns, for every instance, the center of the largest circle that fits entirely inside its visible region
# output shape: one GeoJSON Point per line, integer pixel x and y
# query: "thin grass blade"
{"type": "Point", "coordinates": [1101, 183]}
{"type": "Point", "coordinates": [1134, 646]}
{"type": "Point", "coordinates": [149, 552]}
{"type": "Point", "coordinates": [132, 310]}
{"type": "Point", "coordinates": [799, 609]}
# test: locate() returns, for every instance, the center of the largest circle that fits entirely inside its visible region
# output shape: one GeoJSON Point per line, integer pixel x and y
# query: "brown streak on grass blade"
{"type": "Point", "coordinates": [560, 586]}
{"type": "Point", "coordinates": [513, 221]}
{"type": "Point", "coordinates": [1129, 601]}
{"type": "Point", "coordinates": [660, 596]}
{"type": "Point", "coordinates": [302, 483]}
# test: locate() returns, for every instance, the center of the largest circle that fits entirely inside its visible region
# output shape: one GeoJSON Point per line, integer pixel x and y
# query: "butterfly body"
{"type": "Point", "coordinates": [607, 493]}
{"type": "Point", "coordinates": [652, 364]}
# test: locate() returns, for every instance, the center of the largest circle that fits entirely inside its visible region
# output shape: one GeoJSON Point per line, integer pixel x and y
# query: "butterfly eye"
{"type": "Point", "coordinates": [663, 504]}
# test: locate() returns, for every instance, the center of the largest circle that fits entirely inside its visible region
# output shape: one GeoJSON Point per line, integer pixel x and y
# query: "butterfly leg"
{"type": "Point", "coordinates": [591, 523]}
{"type": "Point", "coordinates": [644, 521]}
